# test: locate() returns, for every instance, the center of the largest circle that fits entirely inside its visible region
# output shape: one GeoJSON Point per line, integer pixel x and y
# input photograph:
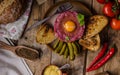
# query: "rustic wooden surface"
{"type": "Point", "coordinates": [83, 60]}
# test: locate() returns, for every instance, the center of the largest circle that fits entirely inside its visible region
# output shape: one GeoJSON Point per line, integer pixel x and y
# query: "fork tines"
{"type": "Point", "coordinates": [64, 7]}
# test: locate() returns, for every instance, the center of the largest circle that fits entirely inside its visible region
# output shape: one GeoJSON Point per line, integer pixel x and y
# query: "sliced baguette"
{"type": "Point", "coordinates": [95, 25]}
{"type": "Point", "coordinates": [92, 43]}
{"type": "Point", "coordinates": [45, 34]}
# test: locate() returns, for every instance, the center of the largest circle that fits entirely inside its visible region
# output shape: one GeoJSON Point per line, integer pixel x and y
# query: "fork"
{"type": "Point", "coordinates": [12, 42]}
{"type": "Point", "coordinates": [64, 7]}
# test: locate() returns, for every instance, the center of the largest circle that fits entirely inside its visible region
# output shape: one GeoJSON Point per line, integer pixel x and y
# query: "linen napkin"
{"type": "Point", "coordinates": [10, 64]}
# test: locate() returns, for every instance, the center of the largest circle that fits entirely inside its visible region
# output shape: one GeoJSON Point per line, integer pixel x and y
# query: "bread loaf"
{"type": "Point", "coordinates": [10, 10]}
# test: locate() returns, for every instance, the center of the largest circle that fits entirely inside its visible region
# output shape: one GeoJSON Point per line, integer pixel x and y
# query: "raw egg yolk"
{"type": "Point", "coordinates": [69, 26]}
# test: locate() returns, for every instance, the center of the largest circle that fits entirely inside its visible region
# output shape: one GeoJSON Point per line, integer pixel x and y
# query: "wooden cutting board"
{"type": "Point", "coordinates": [86, 57]}
{"type": "Point", "coordinates": [48, 56]}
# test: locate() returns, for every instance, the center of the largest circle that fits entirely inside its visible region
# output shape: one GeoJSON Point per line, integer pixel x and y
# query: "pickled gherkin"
{"type": "Point", "coordinates": [56, 43]}
{"type": "Point", "coordinates": [59, 47]}
{"type": "Point", "coordinates": [71, 51]}
{"type": "Point", "coordinates": [63, 49]}
{"type": "Point", "coordinates": [75, 49]}
{"type": "Point", "coordinates": [66, 53]}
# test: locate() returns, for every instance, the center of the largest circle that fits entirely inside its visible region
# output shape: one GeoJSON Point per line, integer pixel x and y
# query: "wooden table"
{"type": "Point", "coordinates": [83, 60]}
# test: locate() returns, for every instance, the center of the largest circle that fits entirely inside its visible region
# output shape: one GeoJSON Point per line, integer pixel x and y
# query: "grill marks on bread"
{"type": "Point", "coordinates": [45, 34]}
{"type": "Point", "coordinates": [92, 43]}
{"type": "Point", "coordinates": [95, 25]}
{"type": "Point", "coordinates": [91, 39]}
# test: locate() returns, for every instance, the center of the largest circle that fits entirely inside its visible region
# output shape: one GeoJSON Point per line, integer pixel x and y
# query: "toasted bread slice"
{"type": "Point", "coordinates": [95, 25]}
{"type": "Point", "coordinates": [45, 34]}
{"type": "Point", "coordinates": [92, 43]}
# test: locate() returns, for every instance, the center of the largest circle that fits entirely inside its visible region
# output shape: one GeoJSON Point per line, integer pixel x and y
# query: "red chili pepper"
{"type": "Point", "coordinates": [102, 52]}
{"type": "Point", "coordinates": [103, 61]}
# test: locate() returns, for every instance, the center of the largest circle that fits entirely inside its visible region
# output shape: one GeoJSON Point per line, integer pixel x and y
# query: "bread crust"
{"type": "Point", "coordinates": [91, 39]}
{"type": "Point", "coordinates": [10, 12]}
{"type": "Point", "coordinates": [92, 43]}
{"type": "Point", "coordinates": [45, 34]}
{"type": "Point", "coordinates": [95, 25]}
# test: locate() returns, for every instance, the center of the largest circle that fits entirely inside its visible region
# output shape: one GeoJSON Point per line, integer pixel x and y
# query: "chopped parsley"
{"type": "Point", "coordinates": [67, 38]}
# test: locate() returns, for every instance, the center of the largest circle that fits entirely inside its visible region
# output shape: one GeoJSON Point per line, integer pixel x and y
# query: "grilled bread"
{"type": "Point", "coordinates": [95, 25]}
{"type": "Point", "coordinates": [45, 34]}
{"type": "Point", "coordinates": [91, 39]}
{"type": "Point", "coordinates": [92, 43]}
{"type": "Point", "coordinates": [10, 10]}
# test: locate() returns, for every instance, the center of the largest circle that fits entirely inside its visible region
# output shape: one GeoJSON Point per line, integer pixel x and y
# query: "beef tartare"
{"type": "Point", "coordinates": [69, 26]}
